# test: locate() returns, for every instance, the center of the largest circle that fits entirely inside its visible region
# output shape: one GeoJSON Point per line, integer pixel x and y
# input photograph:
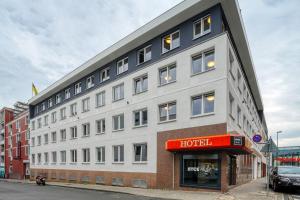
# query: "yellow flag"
{"type": "Point", "coordinates": [34, 90]}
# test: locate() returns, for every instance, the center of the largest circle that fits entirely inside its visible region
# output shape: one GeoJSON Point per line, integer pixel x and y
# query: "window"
{"type": "Point", "coordinates": [63, 114]}
{"type": "Point", "coordinates": [203, 104]}
{"type": "Point", "coordinates": [202, 26]}
{"type": "Point", "coordinates": [46, 158]}
{"type": "Point", "coordinates": [54, 157]}
{"type": "Point", "coordinates": [231, 102]}
{"type": "Point", "coordinates": [33, 142]}
{"type": "Point", "coordinates": [43, 106]}
{"type": "Point", "coordinates": [68, 93]}
{"type": "Point", "coordinates": [90, 82]}
{"type": "Point", "coordinates": [77, 88]}
{"type": "Point", "coordinates": [100, 99]}
{"type": "Point", "coordinates": [144, 54]}
{"type": "Point", "coordinates": [141, 84]}
{"type": "Point", "coordinates": [140, 117]}
{"type": "Point", "coordinates": [100, 154]}
{"type": "Point", "coordinates": [86, 105]}
{"type": "Point", "coordinates": [167, 74]}
{"type": "Point", "coordinates": [46, 138]}
{"type": "Point", "coordinates": [63, 157]}
{"type": "Point", "coordinates": [63, 135]}
{"type": "Point", "coordinates": [53, 117]}
{"type": "Point", "coordinates": [167, 112]}
{"type": "Point", "coordinates": [50, 103]}
{"type": "Point", "coordinates": [73, 155]}
{"type": "Point", "coordinates": [39, 123]}
{"type": "Point", "coordinates": [104, 75]}
{"type": "Point", "coordinates": [231, 62]}
{"type": "Point", "coordinates": [203, 62]}
{"type": "Point", "coordinates": [33, 125]}
{"type": "Point", "coordinates": [58, 99]}
{"type": "Point", "coordinates": [73, 131]}
{"type": "Point", "coordinates": [118, 153]}
{"type": "Point", "coordinates": [86, 129]}
{"type": "Point", "coordinates": [36, 109]}
{"type": "Point", "coordinates": [18, 139]}
{"type": "Point", "coordinates": [39, 157]}
{"type": "Point", "coordinates": [39, 140]}
{"type": "Point", "coordinates": [239, 77]}
{"type": "Point", "coordinates": [33, 159]}
{"type": "Point", "coordinates": [239, 116]}
{"type": "Point", "coordinates": [118, 92]}
{"type": "Point", "coordinates": [122, 65]}
{"type": "Point", "coordinates": [53, 137]}
{"type": "Point", "coordinates": [100, 126]}
{"type": "Point", "coordinates": [27, 150]}
{"type": "Point", "coordinates": [73, 109]}
{"type": "Point", "coordinates": [171, 41]}
{"type": "Point", "coordinates": [46, 120]}
{"type": "Point", "coordinates": [86, 155]}
{"type": "Point", "coordinates": [118, 122]}
{"type": "Point", "coordinates": [140, 152]}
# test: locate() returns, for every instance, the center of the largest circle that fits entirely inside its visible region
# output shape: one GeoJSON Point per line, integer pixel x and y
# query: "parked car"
{"type": "Point", "coordinates": [285, 177]}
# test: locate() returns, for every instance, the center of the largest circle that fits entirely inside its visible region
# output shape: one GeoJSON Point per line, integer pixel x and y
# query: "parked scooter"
{"type": "Point", "coordinates": [40, 180]}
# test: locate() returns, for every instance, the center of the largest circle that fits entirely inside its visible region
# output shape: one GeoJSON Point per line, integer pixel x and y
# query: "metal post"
{"type": "Point", "coordinates": [268, 166]}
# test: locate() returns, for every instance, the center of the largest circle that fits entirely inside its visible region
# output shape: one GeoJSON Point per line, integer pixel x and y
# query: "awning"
{"type": "Point", "coordinates": [233, 143]}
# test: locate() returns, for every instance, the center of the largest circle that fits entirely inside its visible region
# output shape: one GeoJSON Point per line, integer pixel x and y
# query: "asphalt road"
{"type": "Point", "coordinates": [291, 194]}
{"type": "Point", "coordinates": [19, 191]}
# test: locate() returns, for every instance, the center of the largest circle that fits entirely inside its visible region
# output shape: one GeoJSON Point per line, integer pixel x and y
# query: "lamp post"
{"type": "Point", "coordinates": [277, 148]}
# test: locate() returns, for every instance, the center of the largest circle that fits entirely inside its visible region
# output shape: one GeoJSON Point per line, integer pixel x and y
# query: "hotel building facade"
{"type": "Point", "coordinates": [173, 105]}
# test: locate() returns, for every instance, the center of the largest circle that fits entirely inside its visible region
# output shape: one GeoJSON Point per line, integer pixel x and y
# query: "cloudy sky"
{"type": "Point", "coordinates": [40, 41]}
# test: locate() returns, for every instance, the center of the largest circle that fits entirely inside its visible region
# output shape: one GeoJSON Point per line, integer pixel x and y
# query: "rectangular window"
{"type": "Point", "coordinates": [231, 104]}
{"type": "Point", "coordinates": [231, 65]}
{"type": "Point", "coordinates": [39, 140]}
{"type": "Point", "coordinates": [86, 105]}
{"type": "Point", "coordinates": [63, 135]}
{"type": "Point", "coordinates": [39, 157]}
{"type": "Point", "coordinates": [118, 153]}
{"type": "Point", "coordinates": [239, 77]}
{"type": "Point", "coordinates": [140, 152]}
{"type": "Point", "coordinates": [63, 157]}
{"type": "Point", "coordinates": [63, 114]}
{"type": "Point", "coordinates": [33, 142]}
{"type": "Point", "coordinates": [86, 155]}
{"type": "Point", "coordinates": [86, 129]}
{"type": "Point", "coordinates": [50, 103]}
{"type": "Point", "coordinates": [203, 62]}
{"type": "Point", "coordinates": [54, 157]}
{"type": "Point", "coordinates": [140, 117]}
{"type": "Point", "coordinates": [203, 104]}
{"type": "Point", "coordinates": [118, 122]}
{"type": "Point", "coordinates": [73, 155]}
{"type": "Point", "coordinates": [202, 26]}
{"type": "Point", "coordinates": [100, 99]}
{"type": "Point", "coordinates": [33, 159]}
{"type": "Point", "coordinates": [167, 74]}
{"type": "Point", "coordinates": [46, 158]}
{"type": "Point", "coordinates": [122, 65]}
{"type": "Point", "coordinates": [46, 120]}
{"type": "Point", "coordinates": [239, 116]}
{"type": "Point", "coordinates": [100, 126]}
{"type": "Point", "coordinates": [141, 84]}
{"type": "Point", "coordinates": [170, 41]}
{"type": "Point", "coordinates": [53, 117]}
{"type": "Point", "coordinates": [73, 109]}
{"type": "Point", "coordinates": [118, 92]}
{"type": "Point", "coordinates": [77, 88]}
{"type": "Point", "coordinates": [68, 93]}
{"type": "Point", "coordinates": [73, 131]}
{"type": "Point", "coordinates": [90, 82]}
{"type": "Point", "coordinates": [53, 137]}
{"type": "Point", "coordinates": [43, 106]}
{"type": "Point", "coordinates": [33, 125]}
{"type": "Point", "coordinates": [39, 123]}
{"type": "Point", "coordinates": [100, 154]}
{"type": "Point", "coordinates": [104, 75]}
{"type": "Point", "coordinates": [144, 54]}
{"type": "Point", "coordinates": [46, 138]}
{"type": "Point", "coordinates": [58, 99]}
{"type": "Point", "coordinates": [167, 111]}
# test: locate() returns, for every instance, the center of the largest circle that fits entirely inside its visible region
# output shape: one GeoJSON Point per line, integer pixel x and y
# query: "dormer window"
{"type": "Point", "coordinates": [170, 41]}
{"type": "Point", "coordinates": [122, 65]}
{"type": "Point", "coordinates": [67, 93]}
{"type": "Point", "coordinates": [104, 74]}
{"type": "Point", "coordinates": [90, 82]}
{"type": "Point", "coordinates": [202, 26]}
{"type": "Point", "coordinates": [144, 54]}
{"type": "Point", "coordinates": [77, 88]}
{"type": "Point", "coordinates": [58, 98]}
{"type": "Point", "coordinates": [43, 106]}
{"type": "Point", "coordinates": [50, 103]}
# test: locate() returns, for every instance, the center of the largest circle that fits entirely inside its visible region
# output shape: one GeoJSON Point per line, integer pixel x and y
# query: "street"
{"type": "Point", "coordinates": [19, 191]}
{"type": "Point", "coordinates": [291, 194]}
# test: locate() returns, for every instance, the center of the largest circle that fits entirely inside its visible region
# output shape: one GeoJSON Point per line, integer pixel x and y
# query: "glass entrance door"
{"type": "Point", "coordinates": [201, 170]}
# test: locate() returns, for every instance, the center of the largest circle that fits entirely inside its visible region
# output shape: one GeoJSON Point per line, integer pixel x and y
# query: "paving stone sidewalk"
{"type": "Point", "coordinates": [255, 190]}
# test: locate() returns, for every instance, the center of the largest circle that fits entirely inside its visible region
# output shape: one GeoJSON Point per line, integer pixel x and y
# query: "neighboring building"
{"type": "Point", "coordinates": [173, 105]}
{"type": "Point", "coordinates": [17, 148]}
{"type": "Point", "coordinates": [6, 115]}
{"type": "Point", "coordinates": [288, 156]}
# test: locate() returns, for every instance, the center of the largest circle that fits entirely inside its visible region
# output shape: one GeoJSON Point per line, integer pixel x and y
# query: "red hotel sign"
{"type": "Point", "coordinates": [209, 142]}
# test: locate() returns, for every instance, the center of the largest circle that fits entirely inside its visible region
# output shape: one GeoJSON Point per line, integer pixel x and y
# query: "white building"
{"type": "Point", "coordinates": [174, 104]}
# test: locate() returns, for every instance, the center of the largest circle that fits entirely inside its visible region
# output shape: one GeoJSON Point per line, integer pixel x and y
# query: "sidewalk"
{"type": "Point", "coordinates": [254, 190]}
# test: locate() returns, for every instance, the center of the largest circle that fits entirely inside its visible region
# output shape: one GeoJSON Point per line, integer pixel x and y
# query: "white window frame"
{"type": "Point", "coordinates": [73, 156]}
{"type": "Point", "coordinates": [106, 72]}
{"type": "Point", "coordinates": [123, 67]}
{"type": "Point", "coordinates": [63, 114]}
{"type": "Point", "coordinates": [102, 154]}
{"type": "Point", "coordinates": [53, 158]}
{"type": "Point", "coordinates": [167, 68]}
{"type": "Point", "coordinates": [203, 95]}
{"type": "Point", "coordinates": [102, 124]}
{"type": "Point", "coordinates": [100, 95]}
{"type": "Point", "coordinates": [86, 104]}
{"type": "Point", "coordinates": [203, 56]}
{"type": "Point", "coordinates": [46, 158]}
{"type": "Point", "coordinates": [119, 153]}
{"type": "Point", "coordinates": [86, 158]}
{"type": "Point", "coordinates": [63, 135]}
{"type": "Point", "coordinates": [141, 79]}
{"type": "Point", "coordinates": [167, 115]}
{"type": "Point", "coordinates": [39, 120]}
{"type": "Point", "coordinates": [39, 140]}
{"type": "Point", "coordinates": [63, 157]}
{"type": "Point", "coordinates": [73, 132]}
{"type": "Point", "coordinates": [46, 141]}
{"type": "Point", "coordinates": [141, 156]}
{"type": "Point", "coordinates": [171, 41]}
{"type": "Point", "coordinates": [77, 88]}
{"type": "Point", "coordinates": [53, 117]}
{"type": "Point", "coordinates": [140, 111]}
{"type": "Point", "coordinates": [90, 82]}
{"type": "Point", "coordinates": [119, 88]}
{"type": "Point", "coordinates": [58, 98]}
{"type": "Point", "coordinates": [118, 117]}
{"type": "Point", "coordinates": [53, 139]}
{"type": "Point", "coordinates": [202, 32]}
{"type": "Point", "coordinates": [43, 106]}
{"type": "Point", "coordinates": [46, 119]}
{"type": "Point", "coordinates": [73, 109]}
{"type": "Point", "coordinates": [86, 130]}
{"type": "Point", "coordinates": [68, 93]}
{"type": "Point", "coordinates": [144, 50]}
{"type": "Point", "coordinates": [50, 103]}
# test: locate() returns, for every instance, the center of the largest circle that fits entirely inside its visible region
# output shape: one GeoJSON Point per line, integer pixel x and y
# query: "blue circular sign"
{"type": "Point", "coordinates": [257, 138]}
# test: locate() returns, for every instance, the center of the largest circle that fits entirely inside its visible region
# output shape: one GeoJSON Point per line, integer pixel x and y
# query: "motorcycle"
{"type": "Point", "coordinates": [40, 180]}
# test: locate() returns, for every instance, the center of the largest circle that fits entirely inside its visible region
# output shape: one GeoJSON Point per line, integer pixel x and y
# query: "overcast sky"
{"type": "Point", "coordinates": [40, 41]}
